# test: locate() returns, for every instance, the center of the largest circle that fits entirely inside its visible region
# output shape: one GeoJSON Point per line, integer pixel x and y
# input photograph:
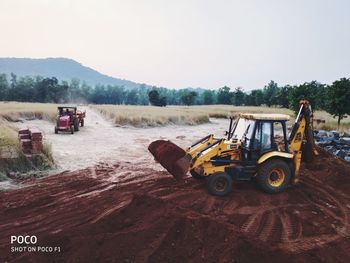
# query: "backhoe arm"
{"type": "Point", "coordinates": [301, 139]}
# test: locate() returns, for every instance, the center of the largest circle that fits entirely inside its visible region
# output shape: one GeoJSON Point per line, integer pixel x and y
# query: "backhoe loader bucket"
{"type": "Point", "coordinates": [173, 158]}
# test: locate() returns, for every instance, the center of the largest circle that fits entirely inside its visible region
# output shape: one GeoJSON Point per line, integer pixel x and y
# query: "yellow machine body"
{"type": "Point", "coordinates": [250, 150]}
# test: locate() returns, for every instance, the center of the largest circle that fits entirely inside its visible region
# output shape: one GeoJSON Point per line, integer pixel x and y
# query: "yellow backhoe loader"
{"type": "Point", "coordinates": [256, 146]}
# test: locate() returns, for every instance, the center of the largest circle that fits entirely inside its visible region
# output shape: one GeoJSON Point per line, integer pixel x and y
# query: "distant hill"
{"type": "Point", "coordinates": [61, 68]}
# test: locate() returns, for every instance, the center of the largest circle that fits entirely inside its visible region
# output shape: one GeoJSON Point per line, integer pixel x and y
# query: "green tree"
{"type": "Point", "coordinates": [258, 96]}
{"type": "Point", "coordinates": [4, 86]}
{"type": "Point", "coordinates": [208, 97]}
{"type": "Point", "coordinates": [155, 99]}
{"type": "Point", "coordinates": [338, 99]}
{"type": "Point", "coordinates": [188, 97]}
{"type": "Point", "coordinates": [47, 90]}
{"type": "Point", "coordinates": [116, 94]}
{"type": "Point", "coordinates": [270, 93]}
{"type": "Point", "coordinates": [254, 98]}
{"type": "Point", "coordinates": [282, 96]}
{"type": "Point", "coordinates": [132, 97]}
{"type": "Point", "coordinates": [313, 91]}
{"type": "Point", "coordinates": [24, 89]}
{"type": "Point", "coordinates": [238, 97]}
{"type": "Point", "coordinates": [99, 94]}
{"type": "Point", "coordinates": [13, 80]}
{"type": "Point", "coordinates": [224, 95]}
{"type": "Point", "coordinates": [143, 94]}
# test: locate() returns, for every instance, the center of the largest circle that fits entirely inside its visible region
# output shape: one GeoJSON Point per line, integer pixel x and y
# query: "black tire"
{"type": "Point", "coordinates": [219, 184]}
{"type": "Point", "coordinates": [56, 130]}
{"type": "Point", "coordinates": [82, 123]}
{"type": "Point", "coordinates": [76, 124]}
{"type": "Point", "coordinates": [274, 176]}
{"type": "Point", "coordinates": [72, 129]}
{"type": "Point", "coordinates": [196, 175]}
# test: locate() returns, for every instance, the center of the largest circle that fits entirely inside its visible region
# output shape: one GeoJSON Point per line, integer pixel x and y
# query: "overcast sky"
{"type": "Point", "coordinates": [186, 43]}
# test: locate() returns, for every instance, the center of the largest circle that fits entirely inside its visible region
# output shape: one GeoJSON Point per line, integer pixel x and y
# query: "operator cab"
{"type": "Point", "coordinates": [259, 133]}
{"type": "Point", "coordinates": [66, 110]}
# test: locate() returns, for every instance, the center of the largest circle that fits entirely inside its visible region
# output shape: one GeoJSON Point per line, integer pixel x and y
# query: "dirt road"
{"type": "Point", "coordinates": [99, 140]}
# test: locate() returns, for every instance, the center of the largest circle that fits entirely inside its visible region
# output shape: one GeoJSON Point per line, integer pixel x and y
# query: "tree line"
{"type": "Point", "coordinates": [334, 98]}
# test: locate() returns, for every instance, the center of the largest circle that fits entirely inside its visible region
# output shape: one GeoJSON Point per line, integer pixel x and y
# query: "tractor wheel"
{"type": "Point", "coordinates": [56, 130]}
{"type": "Point", "coordinates": [274, 176]}
{"type": "Point", "coordinates": [76, 124]}
{"type": "Point", "coordinates": [196, 175]}
{"type": "Point", "coordinates": [219, 184]}
{"type": "Point", "coordinates": [82, 123]}
{"type": "Point", "coordinates": [72, 129]}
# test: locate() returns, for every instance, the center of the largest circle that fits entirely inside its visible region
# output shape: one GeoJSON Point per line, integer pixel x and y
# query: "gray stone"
{"type": "Point", "coordinates": [334, 134]}
{"type": "Point", "coordinates": [322, 133]}
{"type": "Point", "coordinates": [340, 153]}
{"type": "Point", "coordinates": [345, 140]}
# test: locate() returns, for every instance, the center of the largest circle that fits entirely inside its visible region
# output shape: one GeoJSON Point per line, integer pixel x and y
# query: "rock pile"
{"type": "Point", "coordinates": [31, 140]}
{"type": "Point", "coordinates": [334, 143]}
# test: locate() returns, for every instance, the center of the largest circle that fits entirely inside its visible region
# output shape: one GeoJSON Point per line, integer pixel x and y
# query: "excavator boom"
{"type": "Point", "coordinates": [301, 139]}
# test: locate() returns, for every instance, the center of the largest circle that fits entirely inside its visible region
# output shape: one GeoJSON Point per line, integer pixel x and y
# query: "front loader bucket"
{"type": "Point", "coordinates": [171, 157]}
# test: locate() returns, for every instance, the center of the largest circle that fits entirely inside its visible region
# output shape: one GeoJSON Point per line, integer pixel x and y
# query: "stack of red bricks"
{"type": "Point", "coordinates": [31, 140]}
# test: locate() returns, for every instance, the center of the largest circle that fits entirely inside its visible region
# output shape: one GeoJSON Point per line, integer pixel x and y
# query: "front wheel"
{"type": "Point", "coordinates": [56, 130]}
{"type": "Point", "coordinates": [274, 176]}
{"type": "Point", "coordinates": [219, 184]}
{"type": "Point", "coordinates": [72, 129]}
{"type": "Point", "coordinates": [82, 123]}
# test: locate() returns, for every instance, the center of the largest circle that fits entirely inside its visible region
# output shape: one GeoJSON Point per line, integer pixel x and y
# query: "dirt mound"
{"type": "Point", "coordinates": [128, 213]}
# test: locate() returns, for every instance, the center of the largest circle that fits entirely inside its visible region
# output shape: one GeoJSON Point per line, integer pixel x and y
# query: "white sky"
{"type": "Point", "coordinates": [186, 43]}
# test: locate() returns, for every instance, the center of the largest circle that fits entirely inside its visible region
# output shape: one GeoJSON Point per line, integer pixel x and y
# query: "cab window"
{"type": "Point", "coordinates": [244, 129]}
{"type": "Point", "coordinates": [263, 136]}
{"type": "Point", "coordinates": [278, 136]}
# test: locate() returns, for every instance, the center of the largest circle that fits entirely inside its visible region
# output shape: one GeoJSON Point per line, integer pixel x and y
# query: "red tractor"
{"type": "Point", "coordinates": [69, 119]}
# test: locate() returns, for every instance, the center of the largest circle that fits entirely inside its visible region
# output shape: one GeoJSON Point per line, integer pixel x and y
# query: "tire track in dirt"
{"type": "Point", "coordinates": [103, 206]}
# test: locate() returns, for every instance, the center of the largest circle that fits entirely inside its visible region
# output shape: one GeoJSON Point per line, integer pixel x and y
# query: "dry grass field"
{"type": "Point", "coordinates": [15, 111]}
{"type": "Point", "coordinates": [143, 116]}
{"type": "Point", "coordinates": [140, 116]}
{"type": "Point", "coordinates": [331, 123]}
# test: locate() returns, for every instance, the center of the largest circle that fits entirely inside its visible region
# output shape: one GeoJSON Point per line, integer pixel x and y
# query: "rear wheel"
{"type": "Point", "coordinates": [274, 176]}
{"type": "Point", "coordinates": [56, 130]}
{"type": "Point", "coordinates": [82, 123]}
{"type": "Point", "coordinates": [219, 184]}
{"type": "Point", "coordinates": [76, 125]}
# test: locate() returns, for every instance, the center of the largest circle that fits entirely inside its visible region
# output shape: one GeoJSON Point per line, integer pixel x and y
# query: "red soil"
{"type": "Point", "coordinates": [143, 215]}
